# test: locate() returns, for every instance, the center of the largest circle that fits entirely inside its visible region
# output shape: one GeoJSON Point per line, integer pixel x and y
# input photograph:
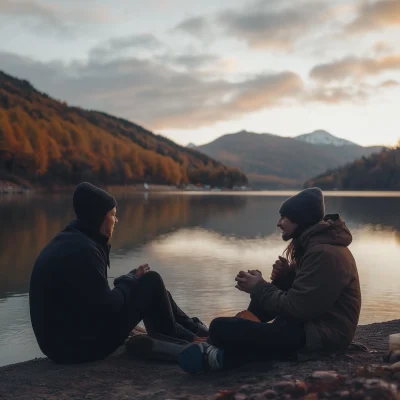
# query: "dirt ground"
{"type": "Point", "coordinates": [122, 378]}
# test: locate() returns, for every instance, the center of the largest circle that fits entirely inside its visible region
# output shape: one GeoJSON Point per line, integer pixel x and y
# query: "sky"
{"type": "Point", "coordinates": [195, 70]}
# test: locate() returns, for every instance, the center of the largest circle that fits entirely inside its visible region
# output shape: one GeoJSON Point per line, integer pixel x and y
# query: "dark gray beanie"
{"type": "Point", "coordinates": [306, 208]}
{"type": "Point", "coordinates": [91, 204]}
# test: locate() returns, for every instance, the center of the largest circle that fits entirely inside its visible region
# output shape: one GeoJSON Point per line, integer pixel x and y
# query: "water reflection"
{"type": "Point", "coordinates": [29, 223]}
{"type": "Point", "coordinates": [198, 243]}
{"type": "Point", "coordinates": [379, 211]}
{"type": "Point", "coordinates": [194, 260]}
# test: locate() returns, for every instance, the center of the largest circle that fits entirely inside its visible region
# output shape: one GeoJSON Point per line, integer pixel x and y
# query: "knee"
{"type": "Point", "coordinates": [153, 279]}
{"type": "Point", "coordinates": [217, 329]}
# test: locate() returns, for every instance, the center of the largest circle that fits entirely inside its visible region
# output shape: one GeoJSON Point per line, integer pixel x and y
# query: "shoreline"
{"type": "Point", "coordinates": [10, 190]}
{"type": "Point", "coordinates": [8, 187]}
{"type": "Point", "coordinates": [121, 377]}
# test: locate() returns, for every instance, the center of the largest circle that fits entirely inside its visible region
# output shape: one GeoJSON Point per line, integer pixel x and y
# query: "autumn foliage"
{"type": "Point", "coordinates": [46, 141]}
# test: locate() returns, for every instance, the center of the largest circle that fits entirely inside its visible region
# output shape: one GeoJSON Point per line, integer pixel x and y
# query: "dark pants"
{"type": "Point", "coordinates": [245, 341]}
{"type": "Point", "coordinates": [150, 302]}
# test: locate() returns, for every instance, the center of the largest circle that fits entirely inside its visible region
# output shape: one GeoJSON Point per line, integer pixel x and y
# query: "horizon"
{"type": "Point", "coordinates": [193, 72]}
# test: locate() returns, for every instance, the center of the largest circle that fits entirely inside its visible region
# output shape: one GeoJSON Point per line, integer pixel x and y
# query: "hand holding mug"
{"type": "Point", "coordinates": [247, 280]}
{"type": "Point", "coordinates": [280, 268]}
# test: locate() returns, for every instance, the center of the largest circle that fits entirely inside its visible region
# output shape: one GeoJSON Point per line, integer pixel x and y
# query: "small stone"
{"type": "Point", "coordinates": [394, 356]}
{"type": "Point", "coordinates": [257, 396]}
{"type": "Point", "coordinates": [326, 376]}
{"type": "Point", "coordinates": [225, 395]}
{"type": "Point", "coordinates": [246, 389]}
{"type": "Point", "coordinates": [396, 367]}
{"type": "Point", "coordinates": [323, 381]}
{"type": "Point", "coordinates": [270, 394]}
{"type": "Point", "coordinates": [310, 396]}
{"type": "Point", "coordinates": [297, 388]}
{"type": "Point", "coordinates": [374, 389]}
{"type": "Point", "coordinates": [375, 371]}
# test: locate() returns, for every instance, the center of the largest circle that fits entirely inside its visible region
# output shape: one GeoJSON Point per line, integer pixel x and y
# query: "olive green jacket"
{"type": "Point", "coordinates": [325, 292]}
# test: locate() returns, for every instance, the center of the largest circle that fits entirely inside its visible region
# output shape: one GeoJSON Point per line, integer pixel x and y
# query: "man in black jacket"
{"type": "Point", "coordinates": [75, 315]}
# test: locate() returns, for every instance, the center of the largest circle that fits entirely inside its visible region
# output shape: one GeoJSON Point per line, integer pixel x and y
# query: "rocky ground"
{"type": "Point", "coordinates": [356, 375]}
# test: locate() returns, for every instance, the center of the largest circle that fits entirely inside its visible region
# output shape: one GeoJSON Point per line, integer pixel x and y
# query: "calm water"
{"type": "Point", "coordinates": [198, 243]}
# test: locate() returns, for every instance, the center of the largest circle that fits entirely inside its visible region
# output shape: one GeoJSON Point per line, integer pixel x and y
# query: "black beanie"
{"type": "Point", "coordinates": [91, 204]}
{"type": "Point", "coordinates": [306, 208]}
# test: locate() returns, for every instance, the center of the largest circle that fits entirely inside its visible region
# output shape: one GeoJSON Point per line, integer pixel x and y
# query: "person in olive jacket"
{"type": "Point", "coordinates": [314, 298]}
{"type": "Point", "coordinates": [75, 315]}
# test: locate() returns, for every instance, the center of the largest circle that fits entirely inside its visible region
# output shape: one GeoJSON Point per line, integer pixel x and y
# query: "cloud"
{"type": "Point", "coordinates": [198, 27]}
{"type": "Point", "coordinates": [375, 15]}
{"type": "Point", "coordinates": [234, 100]}
{"type": "Point", "coordinates": [273, 27]}
{"type": "Point", "coordinates": [381, 47]}
{"type": "Point", "coordinates": [115, 46]}
{"type": "Point", "coordinates": [152, 94]}
{"type": "Point", "coordinates": [389, 84]}
{"type": "Point", "coordinates": [344, 93]}
{"type": "Point", "coordinates": [44, 17]}
{"type": "Point", "coordinates": [189, 61]}
{"type": "Point", "coordinates": [337, 95]}
{"type": "Point", "coordinates": [353, 67]}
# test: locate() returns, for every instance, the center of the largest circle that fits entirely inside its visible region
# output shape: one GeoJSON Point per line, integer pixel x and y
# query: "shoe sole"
{"type": "Point", "coordinates": [149, 348]}
{"type": "Point", "coordinates": [140, 346]}
{"type": "Point", "coordinates": [190, 359]}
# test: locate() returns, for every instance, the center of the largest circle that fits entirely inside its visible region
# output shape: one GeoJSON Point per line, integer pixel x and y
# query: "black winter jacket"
{"type": "Point", "coordinates": [70, 300]}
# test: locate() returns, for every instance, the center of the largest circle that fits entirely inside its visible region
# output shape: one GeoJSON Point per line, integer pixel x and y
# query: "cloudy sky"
{"type": "Point", "coordinates": [194, 70]}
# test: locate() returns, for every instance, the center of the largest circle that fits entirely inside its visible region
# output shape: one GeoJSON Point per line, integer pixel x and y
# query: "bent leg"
{"type": "Point", "coordinates": [149, 302]}
{"type": "Point", "coordinates": [194, 325]}
{"type": "Point", "coordinates": [156, 307]}
{"type": "Point", "coordinates": [258, 311]}
{"type": "Point", "coordinates": [246, 341]}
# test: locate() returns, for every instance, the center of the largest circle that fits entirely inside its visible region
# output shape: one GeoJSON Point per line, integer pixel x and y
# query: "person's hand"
{"type": "Point", "coordinates": [280, 268]}
{"type": "Point", "coordinates": [143, 269]}
{"type": "Point", "coordinates": [254, 271]}
{"type": "Point", "coordinates": [247, 280]}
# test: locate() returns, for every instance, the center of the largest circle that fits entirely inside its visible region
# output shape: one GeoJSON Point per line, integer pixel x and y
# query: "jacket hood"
{"type": "Point", "coordinates": [331, 230]}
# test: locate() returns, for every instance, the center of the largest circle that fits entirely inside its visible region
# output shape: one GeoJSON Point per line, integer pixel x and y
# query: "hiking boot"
{"type": "Point", "coordinates": [158, 347]}
{"type": "Point", "coordinates": [200, 357]}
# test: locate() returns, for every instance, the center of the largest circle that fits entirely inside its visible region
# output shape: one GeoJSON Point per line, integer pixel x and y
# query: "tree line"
{"type": "Point", "coordinates": [380, 171]}
{"type": "Point", "coordinates": [45, 141]}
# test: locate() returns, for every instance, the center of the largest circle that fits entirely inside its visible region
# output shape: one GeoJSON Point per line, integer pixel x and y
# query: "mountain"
{"type": "Point", "coordinates": [191, 146]}
{"type": "Point", "coordinates": [45, 141]}
{"type": "Point", "coordinates": [324, 137]}
{"type": "Point", "coordinates": [273, 162]}
{"type": "Point", "coordinates": [377, 172]}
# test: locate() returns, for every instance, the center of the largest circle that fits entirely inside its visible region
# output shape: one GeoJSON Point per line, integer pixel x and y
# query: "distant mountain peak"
{"type": "Point", "coordinates": [191, 145]}
{"type": "Point", "coordinates": [323, 137]}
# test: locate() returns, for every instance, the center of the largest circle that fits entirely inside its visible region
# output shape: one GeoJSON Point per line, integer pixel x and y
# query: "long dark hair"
{"type": "Point", "coordinates": [288, 253]}
{"type": "Point", "coordinates": [294, 251]}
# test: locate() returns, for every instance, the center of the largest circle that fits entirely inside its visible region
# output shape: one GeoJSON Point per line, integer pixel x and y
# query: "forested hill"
{"type": "Point", "coordinates": [276, 162]}
{"type": "Point", "coordinates": [46, 141]}
{"type": "Point", "coordinates": [377, 172]}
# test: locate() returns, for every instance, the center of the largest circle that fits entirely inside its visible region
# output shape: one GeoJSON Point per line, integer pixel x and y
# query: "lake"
{"type": "Point", "coordinates": [197, 242]}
